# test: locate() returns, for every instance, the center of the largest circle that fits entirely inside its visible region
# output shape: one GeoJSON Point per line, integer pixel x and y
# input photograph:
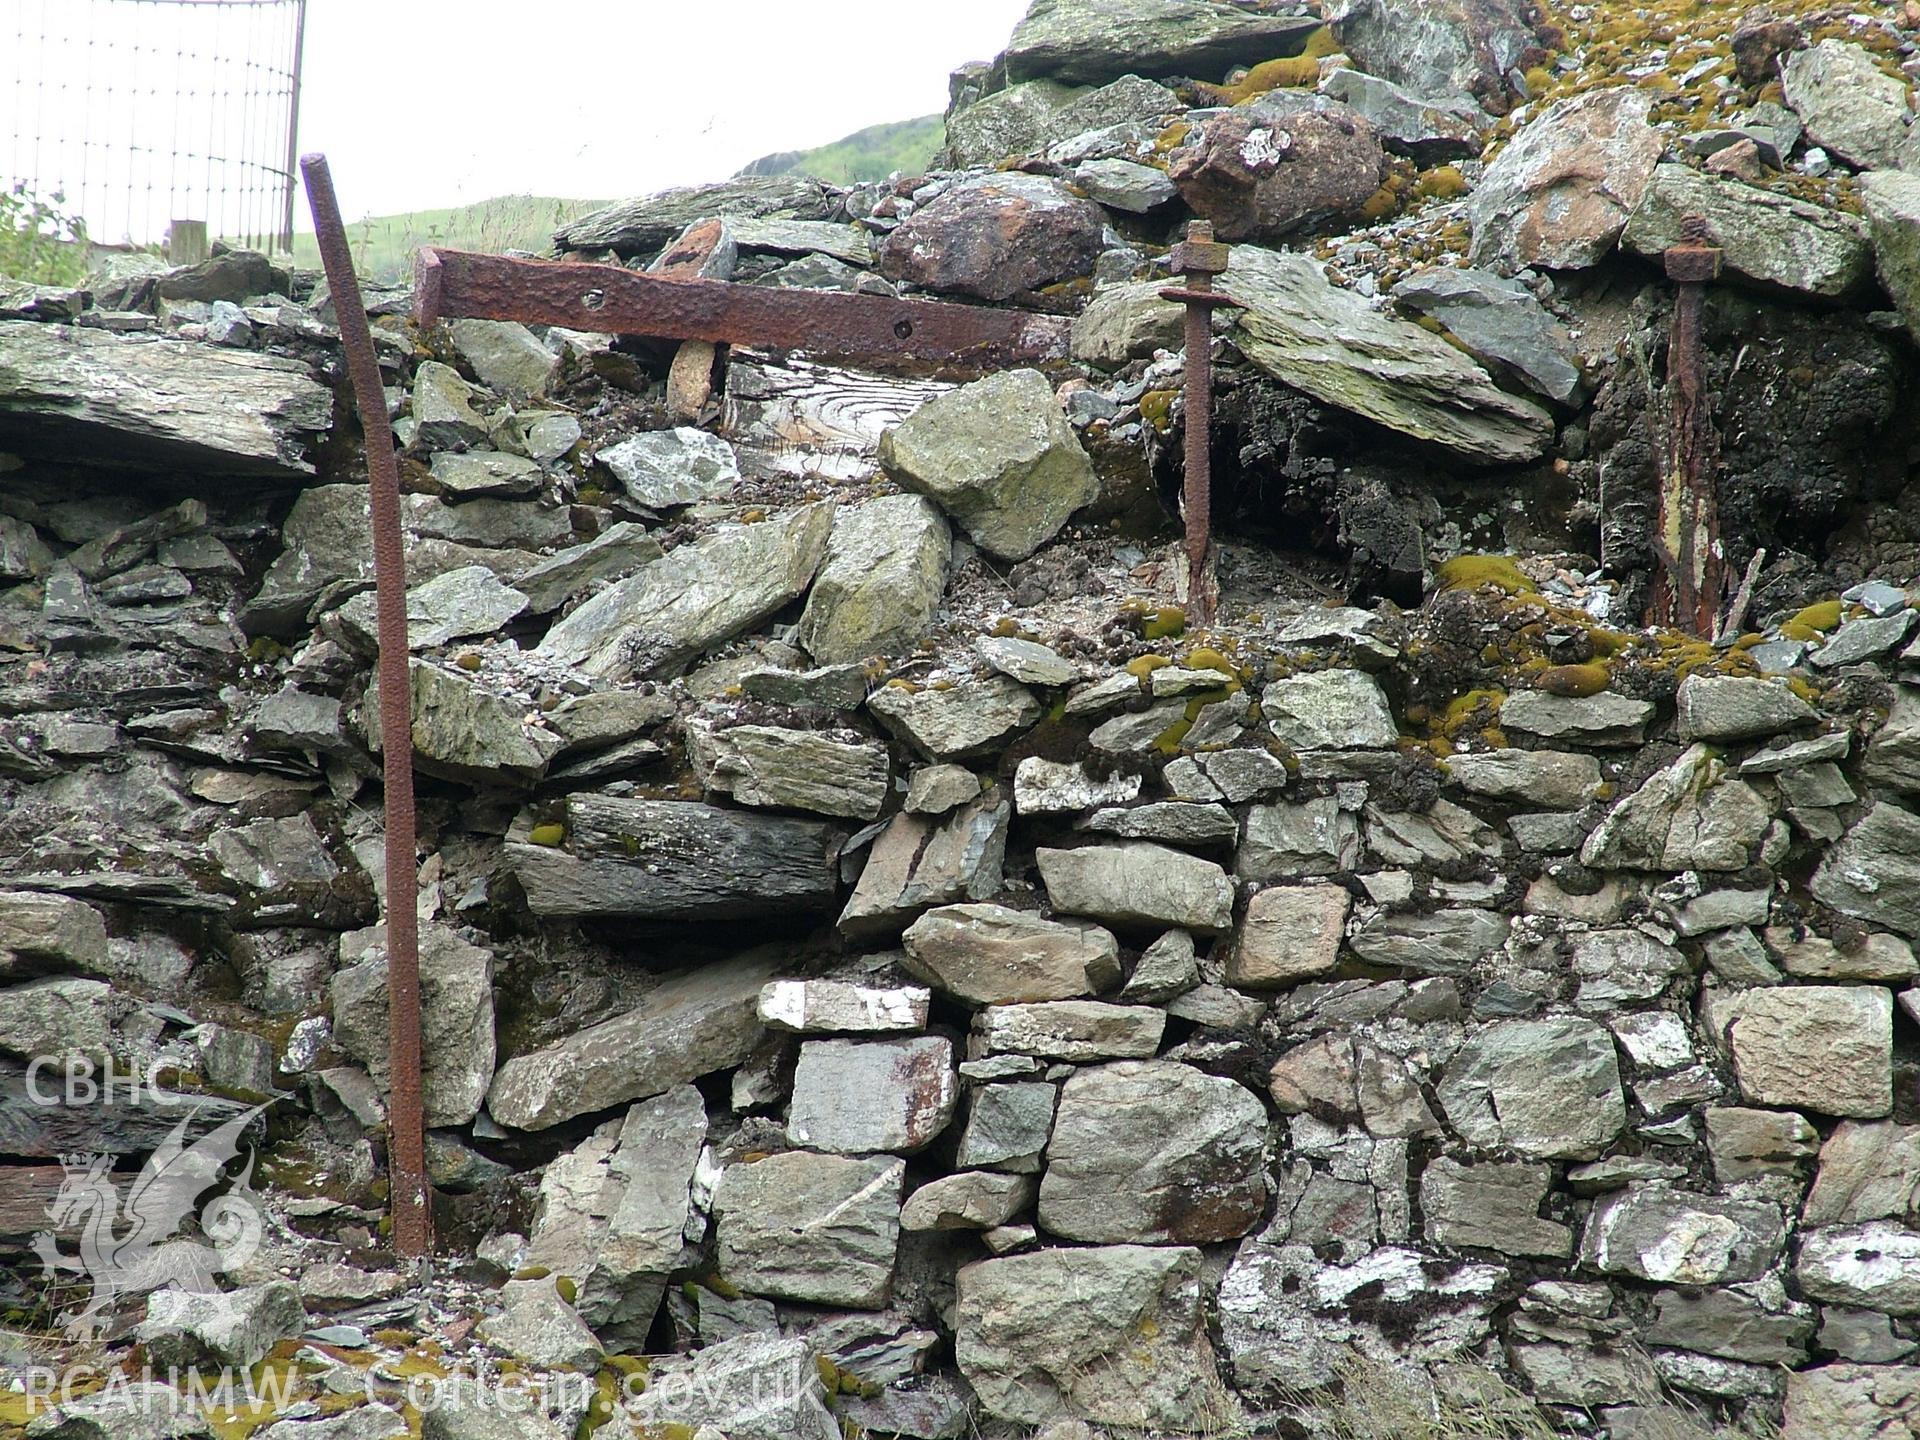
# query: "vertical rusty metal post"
{"type": "Point", "coordinates": [1198, 259]}
{"type": "Point", "coordinates": [406, 1139]}
{"type": "Point", "coordinates": [1688, 585]}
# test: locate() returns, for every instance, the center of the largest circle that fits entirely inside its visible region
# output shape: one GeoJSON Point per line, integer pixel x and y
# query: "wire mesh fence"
{"type": "Point", "coordinates": [140, 113]}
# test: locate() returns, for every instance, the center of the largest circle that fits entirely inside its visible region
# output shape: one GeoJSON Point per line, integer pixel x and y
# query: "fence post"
{"type": "Point", "coordinates": [187, 242]}
{"type": "Point", "coordinates": [293, 115]}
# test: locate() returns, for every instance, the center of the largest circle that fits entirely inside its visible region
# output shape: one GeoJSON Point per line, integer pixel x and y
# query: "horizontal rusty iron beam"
{"type": "Point", "coordinates": [452, 284]}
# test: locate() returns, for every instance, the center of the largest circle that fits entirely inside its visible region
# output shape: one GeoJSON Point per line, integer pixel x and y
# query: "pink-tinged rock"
{"type": "Point", "coordinates": [996, 237]}
{"type": "Point", "coordinates": [854, 1097]}
{"type": "Point", "coordinates": [1279, 164]}
{"type": "Point", "coordinates": [1560, 193]}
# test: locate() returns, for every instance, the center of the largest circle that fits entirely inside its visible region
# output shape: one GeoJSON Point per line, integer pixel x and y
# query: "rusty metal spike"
{"type": "Point", "coordinates": [406, 1137]}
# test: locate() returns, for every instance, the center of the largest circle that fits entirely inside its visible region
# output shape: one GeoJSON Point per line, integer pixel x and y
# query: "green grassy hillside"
{"type": "Point", "coordinates": [383, 245]}
{"type": "Point", "coordinates": [870, 154]}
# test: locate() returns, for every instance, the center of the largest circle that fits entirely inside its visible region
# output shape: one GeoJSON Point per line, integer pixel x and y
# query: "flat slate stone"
{"type": "Point", "coordinates": [820, 1229]}
{"type": "Point", "coordinates": [692, 1025]}
{"type": "Point", "coordinates": [676, 859]}
{"type": "Point", "coordinates": [1332, 344]}
{"type": "Point", "coordinates": [166, 404]}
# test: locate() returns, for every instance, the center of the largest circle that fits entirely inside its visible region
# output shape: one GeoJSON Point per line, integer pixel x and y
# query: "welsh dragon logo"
{"type": "Point", "coordinates": [131, 1244]}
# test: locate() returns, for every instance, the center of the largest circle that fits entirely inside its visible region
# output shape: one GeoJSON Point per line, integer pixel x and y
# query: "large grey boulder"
{"type": "Point", "coordinates": [821, 1229]}
{"type": "Point", "coordinates": [1138, 884]}
{"type": "Point", "coordinates": [216, 1329]}
{"type": "Point", "coordinates": [1731, 1325]}
{"type": "Point", "coordinates": [1288, 1318]}
{"type": "Point", "coordinates": [326, 537]}
{"type": "Point", "coordinates": [1491, 1206]}
{"type": "Point", "coordinates": [643, 225]}
{"type": "Point", "coordinates": [56, 1018]}
{"type": "Point", "coordinates": [674, 859]}
{"type": "Point", "coordinates": [1676, 1237]}
{"type": "Point", "coordinates": [1019, 120]}
{"type": "Point", "coordinates": [1892, 759]}
{"type": "Point", "coordinates": [1288, 839]}
{"type": "Point", "coordinates": [1852, 108]}
{"type": "Point", "coordinates": [1026, 118]}
{"type": "Point", "coordinates": [1127, 322]}
{"type": "Point", "coordinates": [475, 473]}
{"type": "Point", "coordinates": [1604, 722]}
{"type": "Point", "coordinates": [51, 931]}
{"type": "Point", "coordinates": [1337, 348]}
{"type": "Point", "coordinates": [1430, 130]}
{"type": "Point", "coordinates": [692, 1025]}
{"type": "Point", "coordinates": [613, 1212]}
{"type": "Point", "coordinates": [445, 413]}
{"type": "Point", "coordinates": [1876, 1267]}
{"type": "Point", "coordinates": [1329, 710]}
{"type": "Point", "coordinates": [1088, 42]}
{"type": "Point", "coordinates": [959, 721]}
{"type": "Point", "coordinates": [1848, 1402]}
{"type": "Point", "coordinates": [69, 392]}
{"type": "Point", "coordinates": [137, 1410]}
{"type": "Point", "coordinates": [1544, 1089]}
{"type": "Point", "coordinates": [1439, 942]}
{"type": "Point", "coordinates": [614, 554]}
{"type": "Point", "coordinates": [970, 1200]}
{"type": "Point", "coordinates": [885, 572]}
{"type": "Point", "coordinates": [824, 772]}
{"type": "Point", "coordinates": [456, 1022]}
{"type": "Point", "coordinates": [659, 620]}
{"type": "Point", "coordinates": [1560, 193]}
{"type": "Point", "coordinates": [1825, 1048]}
{"type": "Point", "coordinates": [748, 1387]}
{"type": "Point", "coordinates": [999, 456]}
{"type": "Point", "coordinates": [1291, 933]}
{"type": "Point", "coordinates": [505, 356]}
{"type": "Point", "coordinates": [1457, 51]}
{"type": "Point", "coordinates": [1874, 872]}
{"type": "Point", "coordinates": [1074, 1030]}
{"type": "Point", "coordinates": [1726, 707]}
{"type": "Point", "coordinates": [1867, 1172]}
{"type": "Point", "coordinates": [1113, 1335]}
{"type": "Point", "coordinates": [538, 1327]}
{"type": "Point", "coordinates": [461, 731]}
{"type": "Point", "coordinates": [1891, 199]}
{"type": "Point", "coordinates": [1337, 1078]}
{"type": "Point", "coordinates": [1500, 322]}
{"type": "Point", "coordinates": [920, 861]}
{"type": "Point", "coordinates": [1545, 779]}
{"type": "Point", "coordinates": [853, 1097]}
{"type": "Point", "coordinates": [1762, 234]}
{"type": "Point", "coordinates": [664, 468]}
{"type": "Point", "coordinates": [1154, 1152]}
{"type": "Point", "coordinates": [1689, 816]}
{"type": "Point", "coordinates": [464, 601]}
{"type": "Point", "coordinates": [1125, 185]}
{"type": "Point", "coordinates": [1007, 1126]}
{"type": "Point", "coordinates": [990, 955]}
{"type": "Point", "coordinates": [475, 1411]}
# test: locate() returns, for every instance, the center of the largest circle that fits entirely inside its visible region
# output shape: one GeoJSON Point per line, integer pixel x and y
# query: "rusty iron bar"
{"type": "Point", "coordinates": [1690, 579]}
{"type": "Point", "coordinates": [406, 1137]}
{"type": "Point", "coordinates": [450, 284]}
{"type": "Point", "coordinates": [1198, 259]}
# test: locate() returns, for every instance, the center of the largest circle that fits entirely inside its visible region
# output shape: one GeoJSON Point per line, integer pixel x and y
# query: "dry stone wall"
{"type": "Point", "coordinates": [878, 959]}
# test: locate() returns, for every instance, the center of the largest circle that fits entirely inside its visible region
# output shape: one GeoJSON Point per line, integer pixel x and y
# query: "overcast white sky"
{"type": "Point", "coordinates": [421, 104]}
{"type": "Point", "coordinates": [424, 103]}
